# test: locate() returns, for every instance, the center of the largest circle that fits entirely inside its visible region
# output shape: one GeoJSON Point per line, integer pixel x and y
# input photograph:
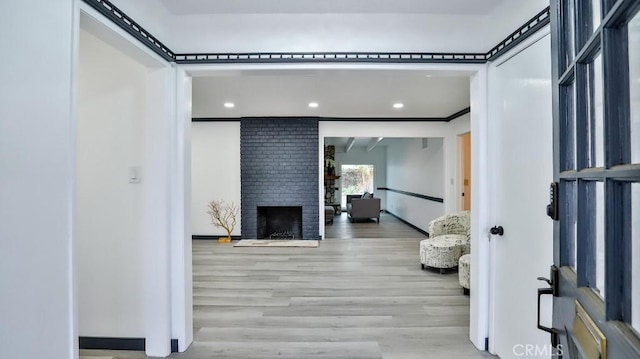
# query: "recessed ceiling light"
{"type": "Point", "coordinates": [229, 105]}
{"type": "Point", "coordinates": [313, 104]}
{"type": "Point", "coordinates": [398, 105]}
{"type": "Point", "coordinates": [428, 75]}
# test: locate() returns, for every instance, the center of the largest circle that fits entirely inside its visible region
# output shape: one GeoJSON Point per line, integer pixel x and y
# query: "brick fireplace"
{"type": "Point", "coordinates": [279, 168]}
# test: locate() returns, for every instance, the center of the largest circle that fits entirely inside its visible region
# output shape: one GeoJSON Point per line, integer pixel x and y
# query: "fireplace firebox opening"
{"type": "Point", "coordinates": [279, 222]}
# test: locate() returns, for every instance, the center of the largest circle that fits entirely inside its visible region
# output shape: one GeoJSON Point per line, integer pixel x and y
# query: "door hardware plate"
{"type": "Point", "coordinates": [588, 336]}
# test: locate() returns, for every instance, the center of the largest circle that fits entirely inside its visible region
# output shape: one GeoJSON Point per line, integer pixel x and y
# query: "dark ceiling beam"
{"type": "Point", "coordinates": [449, 118]}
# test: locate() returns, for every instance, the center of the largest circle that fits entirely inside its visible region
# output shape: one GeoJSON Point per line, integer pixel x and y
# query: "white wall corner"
{"type": "Point", "coordinates": [480, 260]}
{"type": "Point", "coordinates": [181, 248]}
{"type": "Point", "coordinates": [156, 223]}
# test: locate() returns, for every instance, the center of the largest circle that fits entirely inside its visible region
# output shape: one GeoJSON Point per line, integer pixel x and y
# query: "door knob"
{"type": "Point", "coordinates": [497, 230]}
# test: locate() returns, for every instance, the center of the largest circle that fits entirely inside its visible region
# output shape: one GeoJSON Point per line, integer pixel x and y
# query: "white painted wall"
{"type": "Point", "coordinates": [480, 208]}
{"type": "Point", "coordinates": [159, 217]}
{"type": "Point", "coordinates": [359, 156]}
{"type": "Point", "coordinates": [37, 175]}
{"type": "Point", "coordinates": [508, 16]}
{"type": "Point", "coordinates": [165, 265]}
{"type": "Point", "coordinates": [419, 170]}
{"type": "Point", "coordinates": [328, 32]}
{"type": "Point", "coordinates": [181, 246]}
{"type": "Point", "coordinates": [111, 106]}
{"type": "Point", "coordinates": [275, 32]}
{"type": "Point", "coordinates": [152, 16]}
{"type": "Point", "coordinates": [215, 161]}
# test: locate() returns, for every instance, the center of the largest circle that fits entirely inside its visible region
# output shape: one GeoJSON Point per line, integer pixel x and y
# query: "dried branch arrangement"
{"type": "Point", "coordinates": [223, 215]}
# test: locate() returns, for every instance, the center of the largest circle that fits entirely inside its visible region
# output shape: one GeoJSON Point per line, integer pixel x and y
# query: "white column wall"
{"type": "Point", "coordinates": [37, 174]}
{"type": "Point", "coordinates": [480, 210]}
{"type": "Point", "coordinates": [165, 262]}
{"type": "Point", "coordinates": [156, 219]}
{"type": "Point", "coordinates": [111, 108]}
{"type": "Point", "coordinates": [181, 246]}
{"type": "Point", "coordinates": [413, 168]}
{"type": "Point", "coordinates": [215, 156]}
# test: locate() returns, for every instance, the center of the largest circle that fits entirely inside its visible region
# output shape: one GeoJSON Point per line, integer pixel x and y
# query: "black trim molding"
{"type": "Point", "coordinates": [462, 112]}
{"type": "Point", "coordinates": [449, 118]}
{"type": "Point", "coordinates": [123, 21]}
{"type": "Point", "coordinates": [409, 224]}
{"type": "Point", "coordinates": [428, 198]}
{"type": "Point", "coordinates": [137, 344]}
{"type": "Point", "coordinates": [216, 119]}
{"type": "Point", "coordinates": [127, 24]}
{"type": "Point", "coordinates": [209, 237]}
{"type": "Point", "coordinates": [133, 344]}
{"type": "Point", "coordinates": [295, 57]}
{"type": "Point", "coordinates": [529, 28]}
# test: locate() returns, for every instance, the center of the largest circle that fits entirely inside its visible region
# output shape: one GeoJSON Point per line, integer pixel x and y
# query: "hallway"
{"type": "Point", "coordinates": [357, 299]}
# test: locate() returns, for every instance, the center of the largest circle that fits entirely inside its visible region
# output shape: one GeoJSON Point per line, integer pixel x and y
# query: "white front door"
{"type": "Point", "coordinates": [521, 141]}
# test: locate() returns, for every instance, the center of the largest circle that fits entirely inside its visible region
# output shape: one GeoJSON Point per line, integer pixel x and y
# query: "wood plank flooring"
{"type": "Point", "coordinates": [348, 299]}
{"type": "Point", "coordinates": [389, 227]}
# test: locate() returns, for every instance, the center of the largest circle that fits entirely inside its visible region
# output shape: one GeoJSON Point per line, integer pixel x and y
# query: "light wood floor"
{"type": "Point", "coordinates": [347, 299]}
{"type": "Point", "coordinates": [389, 227]}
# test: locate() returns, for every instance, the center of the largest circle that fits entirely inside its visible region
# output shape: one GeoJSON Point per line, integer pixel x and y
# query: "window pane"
{"type": "Point", "coordinates": [600, 238]}
{"type": "Point", "coordinates": [597, 13]}
{"type": "Point", "coordinates": [598, 114]}
{"type": "Point", "coordinates": [569, 39]}
{"type": "Point", "coordinates": [634, 76]}
{"type": "Point", "coordinates": [635, 257]}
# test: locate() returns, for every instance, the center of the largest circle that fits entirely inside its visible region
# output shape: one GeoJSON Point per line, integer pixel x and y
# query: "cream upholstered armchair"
{"type": "Point", "coordinates": [458, 223]}
{"type": "Point", "coordinates": [449, 239]}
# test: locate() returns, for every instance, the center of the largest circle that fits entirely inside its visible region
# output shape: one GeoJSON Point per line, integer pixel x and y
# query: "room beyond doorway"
{"type": "Point", "coordinates": [389, 227]}
{"type": "Point", "coordinates": [465, 161]}
{"type": "Point", "coordinates": [355, 179]}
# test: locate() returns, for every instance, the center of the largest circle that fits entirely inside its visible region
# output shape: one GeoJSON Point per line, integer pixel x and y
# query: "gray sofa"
{"type": "Point", "coordinates": [363, 208]}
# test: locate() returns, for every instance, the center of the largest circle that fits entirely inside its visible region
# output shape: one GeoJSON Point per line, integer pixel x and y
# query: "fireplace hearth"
{"type": "Point", "coordinates": [279, 222]}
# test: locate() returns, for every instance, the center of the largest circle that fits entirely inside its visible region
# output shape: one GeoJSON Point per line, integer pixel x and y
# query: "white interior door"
{"type": "Point", "coordinates": [521, 140]}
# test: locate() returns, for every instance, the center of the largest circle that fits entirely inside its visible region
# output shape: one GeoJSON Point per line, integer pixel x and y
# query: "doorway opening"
{"type": "Point", "coordinates": [465, 171]}
{"type": "Point", "coordinates": [355, 179]}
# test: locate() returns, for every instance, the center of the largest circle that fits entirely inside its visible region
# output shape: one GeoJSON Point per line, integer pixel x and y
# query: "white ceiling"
{"type": "Point", "coordinates": [461, 7]}
{"type": "Point", "coordinates": [339, 93]}
{"type": "Point", "coordinates": [362, 142]}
